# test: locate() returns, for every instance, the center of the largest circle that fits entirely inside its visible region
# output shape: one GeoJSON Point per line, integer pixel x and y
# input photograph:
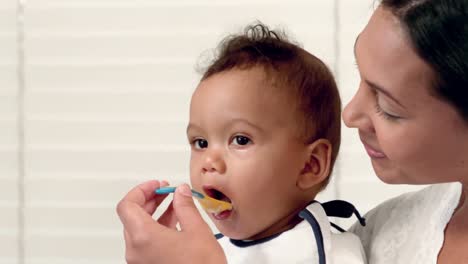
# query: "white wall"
{"type": "Point", "coordinates": [94, 99]}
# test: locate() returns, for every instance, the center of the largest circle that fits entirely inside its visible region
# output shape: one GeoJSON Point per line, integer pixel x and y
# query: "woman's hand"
{"type": "Point", "coordinates": [149, 241]}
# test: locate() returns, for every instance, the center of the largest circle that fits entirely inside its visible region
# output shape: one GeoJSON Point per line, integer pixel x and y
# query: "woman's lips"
{"type": "Point", "coordinates": [373, 153]}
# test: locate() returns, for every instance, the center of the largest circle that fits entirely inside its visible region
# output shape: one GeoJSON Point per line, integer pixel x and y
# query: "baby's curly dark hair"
{"type": "Point", "coordinates": [292, 69]}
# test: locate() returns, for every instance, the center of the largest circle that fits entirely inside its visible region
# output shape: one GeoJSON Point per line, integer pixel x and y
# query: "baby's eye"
{"type": "Point", "coordinates": [241, 140]}
{"type": "Point", "coordinates": [200, 143]}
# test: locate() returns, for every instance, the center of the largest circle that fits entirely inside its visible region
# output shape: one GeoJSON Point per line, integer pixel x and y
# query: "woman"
{"type": "Point", "coordinates": [411, 110]}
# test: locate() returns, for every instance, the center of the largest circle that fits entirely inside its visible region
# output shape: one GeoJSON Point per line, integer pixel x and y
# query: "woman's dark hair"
{"type": "Point", "coordinates": [291, 69]}
{"type": "Point", "coordinates": [438, 31]}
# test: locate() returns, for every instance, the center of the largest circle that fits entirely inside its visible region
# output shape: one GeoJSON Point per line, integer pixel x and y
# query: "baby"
{"type": "Point", "coordinates": [264, 131]}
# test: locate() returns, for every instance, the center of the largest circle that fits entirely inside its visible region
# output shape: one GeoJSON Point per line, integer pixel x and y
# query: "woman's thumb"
{"type": "Point", "coordinates": [188, 215]}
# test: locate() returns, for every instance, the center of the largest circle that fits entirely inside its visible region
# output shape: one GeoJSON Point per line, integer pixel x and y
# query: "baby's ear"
{"type": "Point", "coordinates": [317, 164]}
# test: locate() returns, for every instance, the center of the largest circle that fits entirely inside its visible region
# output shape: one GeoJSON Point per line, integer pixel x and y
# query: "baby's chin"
{"type": "Point", "coordinates": [233, 232]}
{"type": "Point", "coordinates": [237, 235]}
{"type": "Point", "coordinates": [242, 234]}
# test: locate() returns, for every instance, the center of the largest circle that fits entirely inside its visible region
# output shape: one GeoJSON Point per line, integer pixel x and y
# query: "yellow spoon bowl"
{"type": "Point", "coordinates": [211, 205]}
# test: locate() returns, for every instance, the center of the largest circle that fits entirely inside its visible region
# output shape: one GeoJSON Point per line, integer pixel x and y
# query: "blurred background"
{"type": "Point", "coordinates": [94, 98]}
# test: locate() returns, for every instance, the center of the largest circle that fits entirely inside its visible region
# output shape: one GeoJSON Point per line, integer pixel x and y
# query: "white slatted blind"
{"type": "Point", "coordinates": [109, 84]}
{"type": "Point", "coordinates": [8, 134]}
{"type": "Point", "coordinates": [107, 89]}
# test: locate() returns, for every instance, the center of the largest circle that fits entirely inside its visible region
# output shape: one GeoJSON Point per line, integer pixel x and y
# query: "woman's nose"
{"type": "Point", "coordinates": [214, 162]}
{"type": "Point", "coordinates": [356, 113]}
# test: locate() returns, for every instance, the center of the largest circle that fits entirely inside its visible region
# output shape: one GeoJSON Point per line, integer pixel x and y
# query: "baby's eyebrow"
{"type": "Point", "coordinates": [242, 120]}
{"type": "Point", "coordinates": [228, 125]}
{"type": "Point", "coordinates": [192, 126]}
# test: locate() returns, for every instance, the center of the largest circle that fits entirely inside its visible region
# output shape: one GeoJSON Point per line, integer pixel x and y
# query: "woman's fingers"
{"type": "Point", "coordinates": [133, 210]}
{"type": "Point", "coordinates": [142, 193]}
{"type": "Point", "coordinates": [168, 218]}
{"type": "Point", "coordinates": [188, 215]}
{"type": "Point", "coordinates": [148, 241]}
{"type": "Point", "coordinates": [152, 204]}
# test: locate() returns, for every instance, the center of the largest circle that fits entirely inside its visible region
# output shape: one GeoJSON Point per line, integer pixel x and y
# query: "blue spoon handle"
{"type": "Point", "coordinates": [166, 190]}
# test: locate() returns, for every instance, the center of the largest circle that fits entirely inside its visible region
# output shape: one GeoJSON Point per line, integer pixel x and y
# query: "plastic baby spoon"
{"type": "Point", "coordinates": [209, 204]}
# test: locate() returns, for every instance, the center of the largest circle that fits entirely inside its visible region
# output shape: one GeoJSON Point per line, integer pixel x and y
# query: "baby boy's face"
{"type": "Point", "coordinates": [245, 149]}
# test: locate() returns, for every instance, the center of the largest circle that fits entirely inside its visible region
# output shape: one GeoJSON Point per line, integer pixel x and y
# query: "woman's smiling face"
{"type": "Point", "coordinates": [411, 136]}
{"type": "Point", "coordinates": [245, 149]}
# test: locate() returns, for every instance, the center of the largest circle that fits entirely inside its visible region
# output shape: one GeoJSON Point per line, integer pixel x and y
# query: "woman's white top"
{"type": "Point", "coordinates": [409, 229]}
{"type": "Point", "coordinates": [298, 245]}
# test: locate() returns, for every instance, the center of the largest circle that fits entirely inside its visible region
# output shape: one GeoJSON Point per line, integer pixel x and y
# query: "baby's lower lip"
{"type": "Point", "coordinates": [223, 215]}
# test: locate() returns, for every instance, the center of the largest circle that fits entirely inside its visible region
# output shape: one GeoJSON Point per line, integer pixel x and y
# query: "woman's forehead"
{"type": "Point", "coordinates": [385, 57]}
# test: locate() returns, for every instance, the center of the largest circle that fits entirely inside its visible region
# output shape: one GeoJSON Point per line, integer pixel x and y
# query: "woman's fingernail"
{"type": "Point", "coordinates": [184, 189]}
{"type": "Point", "coordinates": [164, 183]}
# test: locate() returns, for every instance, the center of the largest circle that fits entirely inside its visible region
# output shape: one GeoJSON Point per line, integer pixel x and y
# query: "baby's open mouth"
{"type": "Point", "coordinates": [216, 194]}
{"type": "Point", "coordinates": [219, 214]}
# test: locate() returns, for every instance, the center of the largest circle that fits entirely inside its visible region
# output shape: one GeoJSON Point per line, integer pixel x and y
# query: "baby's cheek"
{"type": "Point", "coordinates": [194, 177]}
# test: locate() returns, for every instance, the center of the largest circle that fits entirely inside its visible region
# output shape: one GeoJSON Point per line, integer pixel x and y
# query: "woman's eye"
{"type": "Point", "coordinates": [241, 140]}
{"type": "Point", "coordinates": [200, 143]}
{"type": "Point", "coordinates": [386, 115]}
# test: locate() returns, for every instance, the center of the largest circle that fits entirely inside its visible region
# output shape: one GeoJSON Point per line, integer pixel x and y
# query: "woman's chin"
{"type": "Point", "coordinates": [390, 180]}
{"type": "Point", "coordinates": [389, 175]}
